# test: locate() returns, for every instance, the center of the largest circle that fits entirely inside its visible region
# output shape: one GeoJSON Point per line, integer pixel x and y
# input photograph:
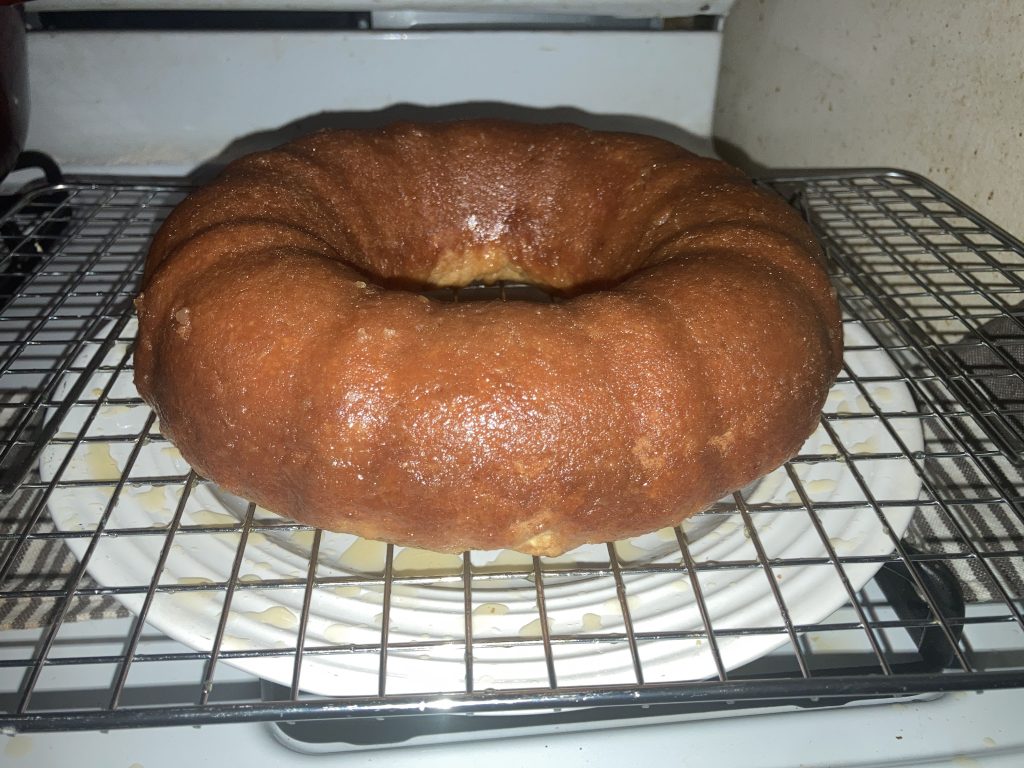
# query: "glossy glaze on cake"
{"type": "Point", "coordinates": [290, 357]}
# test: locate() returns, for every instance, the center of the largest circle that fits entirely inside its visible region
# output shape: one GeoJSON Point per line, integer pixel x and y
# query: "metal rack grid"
{"type": "Point", "coordinates": [937, 288]}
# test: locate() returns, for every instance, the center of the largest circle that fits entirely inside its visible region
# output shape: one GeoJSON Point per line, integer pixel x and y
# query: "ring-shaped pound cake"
{"type": "Point", "coordinates": [290, 357]}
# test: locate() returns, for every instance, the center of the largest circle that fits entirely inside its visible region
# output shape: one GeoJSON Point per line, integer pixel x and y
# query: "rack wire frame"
{"type": "Point", "coordinates": [939, 287]}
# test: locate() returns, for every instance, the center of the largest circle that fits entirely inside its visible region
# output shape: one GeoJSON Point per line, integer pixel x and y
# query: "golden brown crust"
{"type": "Point", "coordinates": [285, 362]}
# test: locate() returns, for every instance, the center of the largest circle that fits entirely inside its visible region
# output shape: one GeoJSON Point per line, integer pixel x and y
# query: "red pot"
{"type": "Point", "coordinates": [13, 88]}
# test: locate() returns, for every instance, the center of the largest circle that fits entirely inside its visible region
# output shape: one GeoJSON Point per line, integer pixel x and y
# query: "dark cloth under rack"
{"type": "Point", "coordinates": [991, 528]}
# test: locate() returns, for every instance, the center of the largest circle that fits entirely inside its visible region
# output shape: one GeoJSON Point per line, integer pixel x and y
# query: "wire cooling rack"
{"type": "Point", "coordinates": [927, 443]}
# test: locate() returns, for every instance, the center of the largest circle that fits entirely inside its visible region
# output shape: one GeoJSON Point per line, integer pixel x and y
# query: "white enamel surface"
{"type": "Point", "coordinates": [965, 730]}
{"type": "Point", "coordinates": [194, 101]}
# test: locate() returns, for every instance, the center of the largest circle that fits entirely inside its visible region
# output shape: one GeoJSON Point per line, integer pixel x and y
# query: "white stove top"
{"type": "Point", "coordinates": [128, 121]}
{"type": "Point", "coordinates": [962, 730]}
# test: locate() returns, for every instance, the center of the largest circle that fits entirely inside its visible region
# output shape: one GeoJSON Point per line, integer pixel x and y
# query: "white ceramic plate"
{"type": "Point", "coordinates": [426, 628]}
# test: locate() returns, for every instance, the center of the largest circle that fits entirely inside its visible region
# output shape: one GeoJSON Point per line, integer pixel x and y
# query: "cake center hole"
{"type": "Point", "coordinates": [497, 292]}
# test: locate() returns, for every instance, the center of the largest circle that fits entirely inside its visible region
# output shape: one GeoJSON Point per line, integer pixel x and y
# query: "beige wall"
{"type": "Point", "coordinates": [933, 86]}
